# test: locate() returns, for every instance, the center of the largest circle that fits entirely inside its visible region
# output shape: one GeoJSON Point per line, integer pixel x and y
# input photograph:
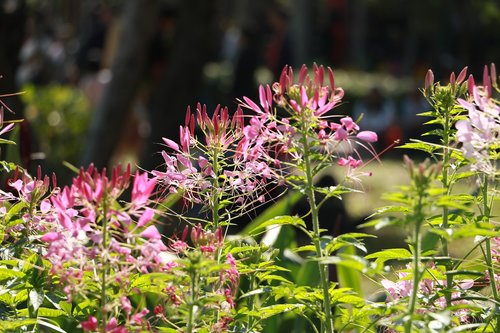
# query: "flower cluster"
{"type": "Point", "coordinates": [429, 292]}
{"type": "Point", "coordinates": [97, 241]}
{"type": "Point", "coordinates": [199, 282]}
{"type": "Point", "coordinates": [479, 132]}
{"type": "Point", "coordinates": [32, 203]}
{"type": "Point", "coordinates": [211, 168]}
{"type": "Point", "coordinates": [307, 104]}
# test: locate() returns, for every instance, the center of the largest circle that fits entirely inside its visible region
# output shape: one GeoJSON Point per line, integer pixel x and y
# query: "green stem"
{"type": "Point", "coordinates": [323, 269]}
{"type": "Point", "coordinates": [251, 302]}
{"type": "Point", "coordinates": [215, 192]}
{"type": "Point", "coordinates": [489, 261]}
{"type": "Point", "coordinates": [104, 265]}
{"type": "Point", "coordinates": [194, 296]}
{"type": "Point", "coordinates": [446, 185]}
{"type": "Point", "coordinates": [416, 277]}
{"type": "Point", "coordinates": [418, 218]}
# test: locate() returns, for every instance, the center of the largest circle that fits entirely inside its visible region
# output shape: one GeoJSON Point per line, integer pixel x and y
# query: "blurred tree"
{"type": "Point", "coordinates": [181, 80]}
{"type": "Point", "coordinates": [12, 33]}
{"type": "Point", "coordinates": [127, 71]}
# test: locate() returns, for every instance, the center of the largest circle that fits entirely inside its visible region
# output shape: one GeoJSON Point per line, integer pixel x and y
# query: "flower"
{"type": "Point", "coordinates": [479, 132]}
{"type": "Point", "coordinates": [90, 324]}
{"type": "Point", "coordinates": [428, 292]}
{"type": "Point", "coordinates": [277, 136]}
{"type": "Point", "coordinates": [218, 163]}
{"type": "Point", "coordinates": [93, 225]}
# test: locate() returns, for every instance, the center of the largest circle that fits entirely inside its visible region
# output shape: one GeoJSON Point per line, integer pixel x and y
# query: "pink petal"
{"type": "Point", "coordinates": [7, 128]}
{"type": "Point", "coordinates": [367, 136]}
{"type": "Point", "coordinates": [145, 217]}
{"type": "Point", "coordinates": [50, 237]}
{"type": "Point", "coordinates": [303, 96]}
{"type": "Point", "coordinates": [171, 144]}
{"type": "Point", "coordinates": [45, 206]}
{"type": "Point", "coordinates": [151, 232]}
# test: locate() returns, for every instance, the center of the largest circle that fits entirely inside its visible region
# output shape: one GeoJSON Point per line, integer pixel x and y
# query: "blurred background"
{"type": "Point", "coordinates": [103, 81]}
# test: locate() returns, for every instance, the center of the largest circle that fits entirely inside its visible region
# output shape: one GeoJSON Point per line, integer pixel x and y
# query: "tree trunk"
{"type": "Point", "coordinates": [138, 20]}
{"type": "Point", "coordinates": [181, 81]}
{"type": "Point", "coordinates": [12, 33]}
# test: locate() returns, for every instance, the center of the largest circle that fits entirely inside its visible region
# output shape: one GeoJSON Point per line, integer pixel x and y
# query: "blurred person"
{"type": "Point", "coordinates": [245, 65]}
{"type": "Point", "coordinates": [278, 49]}
{"type": "Point", "coordinates": [378, 114]}
{"type": "Point", "coordinates": [42, 56]}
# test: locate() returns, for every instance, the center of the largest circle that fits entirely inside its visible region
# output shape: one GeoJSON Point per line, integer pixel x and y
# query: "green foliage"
{"type": "Point", "coordinates": [59, 116]}
{"type": "Point", "coordinates": [267, 278]}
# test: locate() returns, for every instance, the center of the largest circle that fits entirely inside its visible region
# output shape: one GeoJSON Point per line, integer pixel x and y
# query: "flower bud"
{"type": "Point", "coordinates": [452, 78]}
{"type": "Point", "coordinates": [462, 75]}
{"type": "Point", "coordinates": [470, 85]}
{"type": "Point", "coordinates": [487, 81]}
{"type": "Point", "coordinates": [429, 80]}
{"type": "Point", "coordinates": [409, 164]}
{"type": "Point", "coordinates": [493, 73]}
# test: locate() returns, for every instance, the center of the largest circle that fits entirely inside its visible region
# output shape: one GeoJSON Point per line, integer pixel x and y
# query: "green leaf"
{"type": "Point", "coordinates": [463, 175]}
{"type": "Point", "coordinates": [281, 207]}
{"type": "Point", "coordinates": [165, 330]}
{"type": "Point", "coordinates": [305, 248]}
{"type": "Point", "coordinates": [259, 291]}
{"type": "Point", "coordinates": [66, 307]}
{"type": "Point", "coordinates": [50, 325]}
{"type": "Point", "coordinates": [9, 274]}
{"type": "Point", "coordinates": [277, 221]}
{"type": "Point", "coordinates": [389, 254]}
{"type": "Point", "coordinates": [351, 300]}
{"type": "Point", "coordinates": [15, 210]}
{"type": "Point", "coordinates": [423, 146]}
{"type": "Point", "coordinates": [11, 325]}
{"type": "Point", "coordinates": [50, 313]}
{"type": "Point", "coordinates": [378, 224]}
{"type": "Point", "coordinates": [451, 202]}
{"type": "Point", "coordinates": [272, 277]}
{"type": "Point", "coordinates": [36, 298]}
{"type": "Point", "coordinates": [465, 328]}
{"type": "Point", "coordinates": [21, 296]}
{"type": "Point", "coordinates": [6, 142]}
{"type": "Point", "coordinates": [275, 309]}
{"type": "Point", "coordinates": [348, 277]}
